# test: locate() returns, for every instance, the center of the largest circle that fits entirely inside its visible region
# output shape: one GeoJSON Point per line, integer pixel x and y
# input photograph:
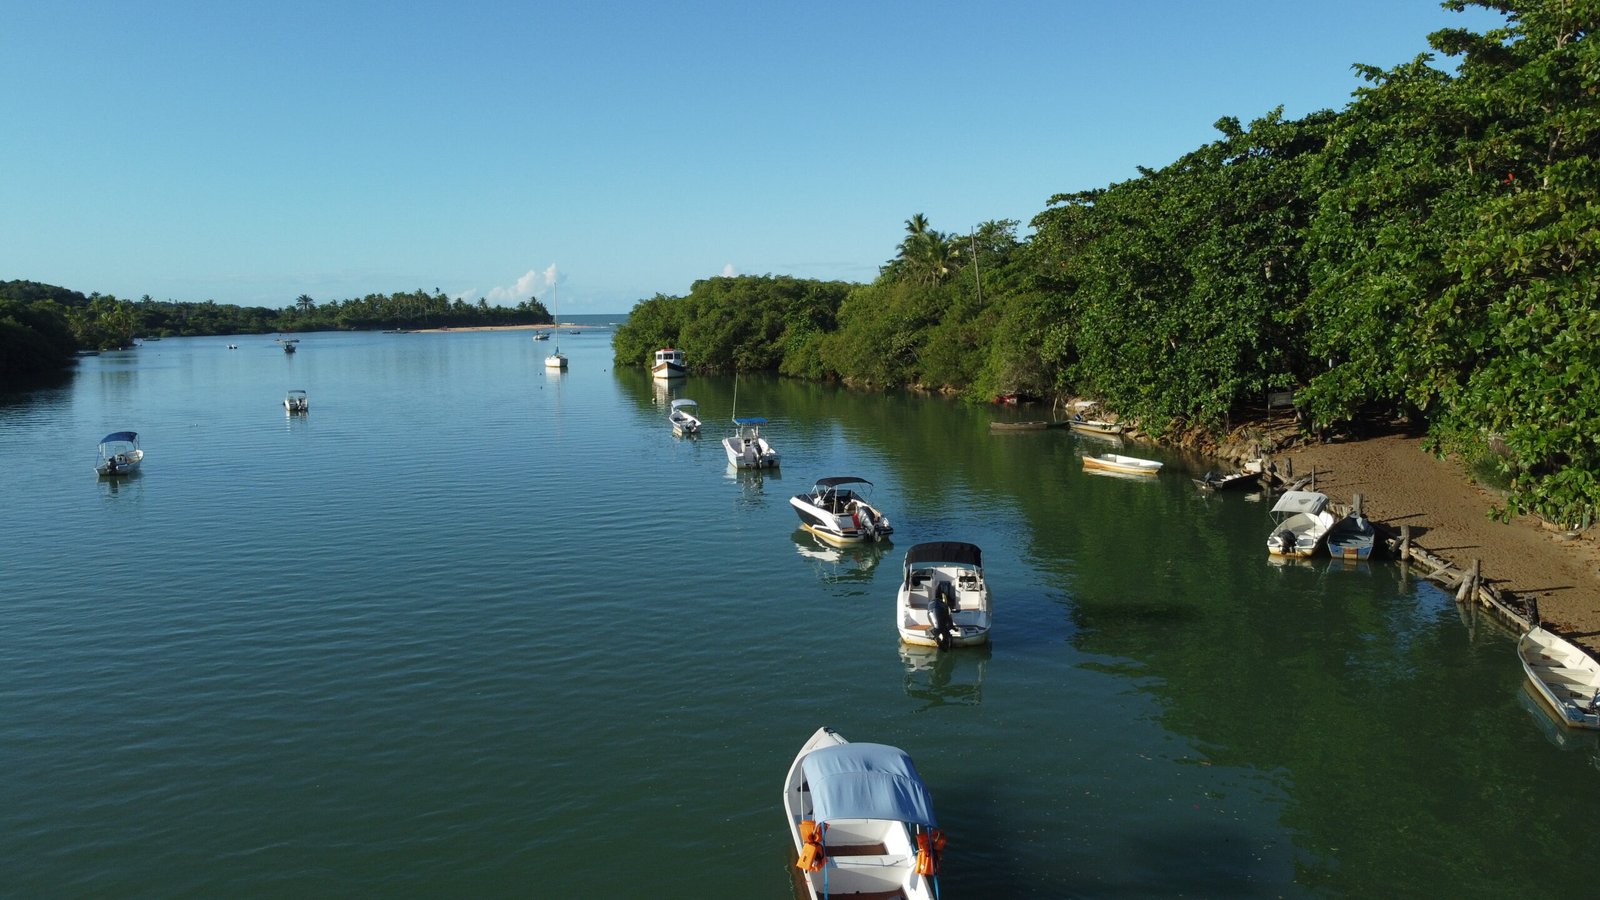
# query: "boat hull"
{"type": "Point", "coordinates": [747, 455]}
{"type": "Point", "coordinates": [128, 465]}
{"type": "Point", "coordinates": [1563, 676]}
{"type": "Point", "coordinates": [970, 617]}
{"type": "Point", "coordinates": [1125, 465]}
{"type": "Point", "coordinates": [1305, 535]}
{"type": "Point", "coordinates": [665, 371]}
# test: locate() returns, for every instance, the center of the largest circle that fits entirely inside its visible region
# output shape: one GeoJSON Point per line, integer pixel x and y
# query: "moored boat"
{"type": "Point", "coordinates": [861, 820]}
{"type": "Point", "coordinates": [296, 402]}
{"type": "Point", "coordinates": [943, 600]}
{"type": "Point", "coordinates": [1125, 465]}
{"type": "Point", "coordinates": [1094, 426]}
{"type": "Point", "coordinates": [835, 513]}
{"type": "Point", "coordinates": [669, 363]}
{"type": "Point", "coordinates": [746, 448]}
{"type": "Point", "coordinates": [119, 454]}
{"type": "Point", "coordinates": [1352, 537]}
{"type": "Point", "coordinates": [682, 417]}
{"type": "Point", "coordinates": [1565, 677]}
{"type": "Point", "coordinates": [1301, 521]}
{"type": "Point", "coordinates": [1232, 481]}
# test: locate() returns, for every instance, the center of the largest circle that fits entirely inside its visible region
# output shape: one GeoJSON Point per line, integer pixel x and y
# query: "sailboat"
{"type": "Point", "coordinates": [555, 360]}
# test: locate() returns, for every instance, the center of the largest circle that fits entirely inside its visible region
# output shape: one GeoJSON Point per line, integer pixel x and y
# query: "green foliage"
{"type": "Point", "coordinates": [746, 323]}
{"type": "Point", "coordinates": [34, 339]}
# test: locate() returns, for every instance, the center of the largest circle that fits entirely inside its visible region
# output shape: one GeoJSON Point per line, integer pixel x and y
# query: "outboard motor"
{"type": "Point", "coordinates": [1286, 541]}
{"type": "Point", "coordinates": [943, 629]}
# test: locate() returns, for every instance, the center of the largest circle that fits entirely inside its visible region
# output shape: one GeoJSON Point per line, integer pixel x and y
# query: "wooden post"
{"type": "Point", "coordinates": [1355, 505]}
{"type": "Point", "coordinates": [1405, 542]}
{"type": "Point", "coordinates": [1288, 469]}
{"type": "Point", "coordinates": [1469, 583]}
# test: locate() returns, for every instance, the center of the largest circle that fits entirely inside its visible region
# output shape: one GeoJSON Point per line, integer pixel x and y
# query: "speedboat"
{"type": "Point", "coordinates": [835, 513]}
{"type": "Point", "coordinates": [296, 402]}
{"type": "Point", "coordinates": [682, 417]}
{"type": "Point", "coordinates": [747, 449]}
{"type": "Point", "coordinates": [1352, 537]}
{"type": "Point", "coordinates": [943, 599]}
{"type": "Point", "coordinates": [1301, 522]}
{"type": "Point", "coordinates": [119, 454]}
{"type": "Point", "coordinates": [669, 363]}
{"type": "Point", "coordinates": [1565, 677]}
{"type": "Point", "coordinates": [861, 820]}
{"type": "Point", "coordinates": [1122, 465]}
{"type": "Point", "coordinates": [288, 344]}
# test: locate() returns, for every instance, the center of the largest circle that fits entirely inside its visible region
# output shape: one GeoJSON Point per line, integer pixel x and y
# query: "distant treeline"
{"type": "Point", "coordinates": [1429, 251]}
{"type": "Point", "coordinates": [41, 325]}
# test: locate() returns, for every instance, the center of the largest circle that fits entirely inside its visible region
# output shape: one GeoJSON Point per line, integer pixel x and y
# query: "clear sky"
{"type": "Point", "coordinates": [252, 152]}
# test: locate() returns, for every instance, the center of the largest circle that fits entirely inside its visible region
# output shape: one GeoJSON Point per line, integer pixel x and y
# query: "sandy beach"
{"type": "Point", "coordinates": [1401, 484]}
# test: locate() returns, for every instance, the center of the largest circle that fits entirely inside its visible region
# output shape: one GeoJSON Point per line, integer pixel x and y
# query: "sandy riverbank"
{"type": "Point", "coordinates": [1401, 484]}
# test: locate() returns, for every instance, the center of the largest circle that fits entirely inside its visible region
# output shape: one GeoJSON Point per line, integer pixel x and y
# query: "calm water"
{"type": "Point", "coordinates": [469, 628]}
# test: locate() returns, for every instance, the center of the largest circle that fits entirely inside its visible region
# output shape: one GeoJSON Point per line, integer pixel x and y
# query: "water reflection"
{"type": "Point", "coordinates": [835, 565]}
{"type": "Point", "coordinates": [945, 677]}
{"type": "Point", "coordinates": [1571, 740]}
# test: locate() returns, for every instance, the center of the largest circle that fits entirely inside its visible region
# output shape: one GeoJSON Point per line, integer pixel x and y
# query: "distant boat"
{"type": "Point", "coordinates": [861, 820]}
{"type": "Point", "coordinates": [555, 360]}
{"type": "Point", "coordinates": [288, 344]}
{"type": "Point", "coordinates": [296, 402]}
{"type": "Point", "coordinates": [669, 363]}
{"type": "Point", "coordinates": [541, 335]}
{"type": "Point", "coordinates": [1035, 425]}
{"type": "Point", "coordinates": [1124, 465]}
{"type": "Point", "coordinates": [1094, 426]}
{"type": "Point", "coordinates": [1302, 521]}
{"type": "Point", "coordinates": [1565, 677]}
{"type": "Point", "coordinates": [682, 417]}
{"type": "Point", "coordinates": [119, 454]}
{"type": "Point", "coordinates": [1232, 481]}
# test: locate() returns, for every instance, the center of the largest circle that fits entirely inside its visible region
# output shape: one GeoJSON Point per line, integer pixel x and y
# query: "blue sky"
{"type": "Point", "coordinates": [251, 153]}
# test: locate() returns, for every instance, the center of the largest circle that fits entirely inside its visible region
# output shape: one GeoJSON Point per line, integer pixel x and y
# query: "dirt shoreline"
{"type": "Point", "coordinates": [1402, 484]}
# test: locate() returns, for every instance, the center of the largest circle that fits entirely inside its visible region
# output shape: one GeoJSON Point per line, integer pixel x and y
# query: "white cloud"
{"type": "Point", "coordinates": [526, 286]}
{"type": "Point", "coordinates": [728, 271]}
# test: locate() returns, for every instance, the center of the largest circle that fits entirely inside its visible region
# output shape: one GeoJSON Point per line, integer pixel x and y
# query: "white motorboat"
{"type": "Point", "coordinates": [1565, 677]}
{"type": "Point", "coordinates": [288, 344]}
{"type": "Point", "coordinates": [683, 419]}
{"type": "Point", "coordinates": [296, 402]}
{"type": "Point", "coordinates": [1122, 465]}
{"type": "Point", "coordinates": [541, 335]}
{"type": "Point", "coordinates": [669, 363]}
{"type": "Point", "coordinates": [861, 820]}
{"type": "Point", "coordinates": [119, 454]}
{"type": "Point", "coordinates": [1301, 522]}
{"type": "Point", "coordinates": [746, 448]}
{"type": "Point", "coordinates": [943, 599]}
{"type": "Point", "coordinates": [835, 513]}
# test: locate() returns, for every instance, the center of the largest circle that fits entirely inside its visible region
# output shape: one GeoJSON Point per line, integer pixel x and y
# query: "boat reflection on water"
{"type": "Point", "coordinates": [945, 678]}
{"type": "Point", "coordinates": [1321, 564]}
{"type": "Point", "coordinates": [752, 484]}
{"type": "Point", "coordinates": [837, 564]}
{"type": "Point", "coordinates": [1571, 740]}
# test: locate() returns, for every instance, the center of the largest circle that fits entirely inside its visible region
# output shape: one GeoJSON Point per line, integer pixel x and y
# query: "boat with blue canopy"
{"type": "Point", "coordinates": [862, 821]}
{"type": "Point", "coordinates": [119, 454]}
{"type": "Point", "coordinates": [746, 448]}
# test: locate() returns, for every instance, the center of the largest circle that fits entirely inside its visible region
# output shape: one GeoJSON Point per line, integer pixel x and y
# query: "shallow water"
{"type": "Point", "coordinates": [471, 628]}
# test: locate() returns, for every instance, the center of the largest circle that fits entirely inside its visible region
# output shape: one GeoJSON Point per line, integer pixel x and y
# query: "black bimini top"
{"type": "Point", "coordinates": [957, 552]}
{"type": "Point", "coordinates": [845, 479]}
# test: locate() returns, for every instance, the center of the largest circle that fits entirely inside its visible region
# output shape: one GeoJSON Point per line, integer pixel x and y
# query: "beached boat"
{"type": "Point", "coordinates": [1565, 677]}
{"type": "Point", "coordinates": [1301, 521]}
{"type": "Point", "coordinates": [746, 448]}
{"type": "Point", "coordinates": [1034, 425]}
{"type": "Point", "coordinates": [943, 600]}
{"type": "Point", "coordinates": [1094, 426]}
{"type": "Point", "coordinates": [296, 402]}
{"type": "Point", "coordinates": [1125, 465]}
{"type": "Point", "coordinates": [834, 512]}
{"type": "Point", "coordinates": [1352, 537]}
{"type": "Point", "coordinates": [682, 417]}
{"type": "Point", "coordinates": [861, 820]}
{"type": "Point", "coordinates": [669, 363]}
{"type": "Point", "coordinates": [119, 454]}
{"type": "Point", "coordinates": [1233, 481]}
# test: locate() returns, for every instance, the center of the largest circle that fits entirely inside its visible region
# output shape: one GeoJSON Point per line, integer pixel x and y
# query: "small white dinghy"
{"type": "Point", "coordinates": [862, 821]}
{"type": "Point", "coordinates": [682, 417]}
{"type": "Point", "coordinates": [1122, 465]}
{"type": "Point", "coordinates": [1565, 677]}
